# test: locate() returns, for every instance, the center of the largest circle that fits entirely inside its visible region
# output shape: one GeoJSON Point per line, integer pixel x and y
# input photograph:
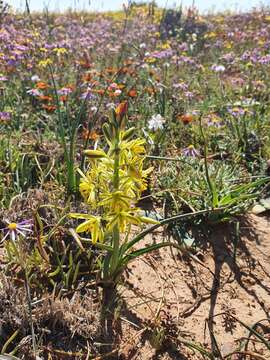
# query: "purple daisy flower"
{"type": "Point", "coordinates": [5, 116]}
{"type": "Point", "coordinates": [13, 230]}
{"type": "Point", "coordinates": [87, 95]}
{"type": "Point", "coordinates": [191, 151]}
{"type": "Point", "coordinates": [64, 91]}
{"type": "Point", "coordinates": [237, 112]}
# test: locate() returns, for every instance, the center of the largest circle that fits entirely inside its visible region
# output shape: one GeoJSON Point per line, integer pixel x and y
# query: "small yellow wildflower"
{"type": "Point", "coordinates": [45, 63]}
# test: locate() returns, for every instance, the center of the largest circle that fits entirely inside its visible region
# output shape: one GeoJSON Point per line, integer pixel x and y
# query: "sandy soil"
{"type": "Point", "coordinates": [169, 298]}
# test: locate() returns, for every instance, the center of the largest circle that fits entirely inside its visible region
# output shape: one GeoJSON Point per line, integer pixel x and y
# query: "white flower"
{"type": "Point", "coordinates": [35, 78]}
{"type": "Point", "coordinates": [218, 68]}
{"type": "Point", "coordinates": [194, 37]}
{"type": "Point", "coordinates": [145, 66]}
{"type": "Point", "coordinates": [117, 92]}
{"type": "Point", "coordinates": [110, 106]}
{"type": "Point", "coordinates": [156, 122]}
{"type": "Point", "coordinates": [94, 109]}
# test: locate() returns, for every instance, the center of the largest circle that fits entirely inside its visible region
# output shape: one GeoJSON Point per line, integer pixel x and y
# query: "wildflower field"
{"type": "Point", "coordinates": [134, 184]}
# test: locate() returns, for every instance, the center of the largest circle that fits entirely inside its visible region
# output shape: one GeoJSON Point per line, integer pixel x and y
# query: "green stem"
{"type": "Point", "coordinates": [116, 163]}
{"type": "Point", "coordinates": [29, 303]}
{"type": "Point", "coordinates": [208, 179]}
{"type": "Point", "coordinates": [116, 233]}
{"type": "Point", "coordinates": [150, 157]}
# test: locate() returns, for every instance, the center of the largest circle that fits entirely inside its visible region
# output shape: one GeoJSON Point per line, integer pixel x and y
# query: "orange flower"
{"type": "Point", "coordinates": [186, 118]}
{"type": "Point", "coordinates": [128, 62]}
{"type": "Point", "coordinates": [49, 108]}
{"type": "Point", "coordinates": [63, 98]}
{"type": "Point", "coordinates": [111, 71]}
{"type": "Point", "coordinates": [121, 109]}
{"type": "Point", "coordinates": [150, 90]}
{"type": "Point", "coordinates": [132, 93]}
{"type": "Point", "coordinates": [10, 69]}
{"type": "Point", "coordinates": [124, 70]}
{"type": "Point", "coordinates": [99, 92]}
{"type": "Point", "coordinates": [85, 64]}
{"type": "Point", "coordinates": [45, 98]}
{"type": "Point", "coordinates": [89, 134]}
{"type": "Point", "coordinates": [41, 85]}
{"type": "Point", "coordinates": [87, 77]}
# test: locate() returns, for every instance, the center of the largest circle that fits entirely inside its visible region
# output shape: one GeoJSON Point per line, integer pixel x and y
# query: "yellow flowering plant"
{"type": "Point", "coordinates": [111, 187]}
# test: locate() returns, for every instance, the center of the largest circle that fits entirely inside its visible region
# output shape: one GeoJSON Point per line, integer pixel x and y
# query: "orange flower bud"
{"type": "Point", "coordinates": [121, 109]}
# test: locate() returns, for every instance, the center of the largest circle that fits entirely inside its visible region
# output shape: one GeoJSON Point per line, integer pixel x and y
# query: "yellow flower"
{"type": "Point", "coordinates": [93, 182]}
{"type": "Point", "coordinates": [210, 35]}
{"type": "Point", "coordinates": [113, 185]}
{"type": "Point", "coordinates": [137, 147]}
{"type": "Point", "coordinates": [60, 51]}
{"type": "Point", "coordinates": [45, 63]}
{"type": "Point", "coordinates": [228, 45]}
{"type": "Point", "coordinates": [116, 201]}
{"type": "Point", "coordinates": [137, 175]}
{"type": "Point", "coordinates": [91, 225]}
{"type": "Point", "coordinates": [124, 218]}
{"type": "Point", "coordinates": [87, 189]}
{"type": "Point", "coordinates": [150, 60]}
{"type": "Point", "coordinates": [121, 220]}
{"type": "Point", "coordinates": [166, 46]}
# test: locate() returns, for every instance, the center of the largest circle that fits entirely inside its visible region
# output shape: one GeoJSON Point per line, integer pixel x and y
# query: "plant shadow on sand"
{"type": "Point", "coordinates": [223, 253]}
{"type": "Point", "coordinates": [235, 280]}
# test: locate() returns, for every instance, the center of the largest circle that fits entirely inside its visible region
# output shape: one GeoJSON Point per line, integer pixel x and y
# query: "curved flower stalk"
{"type": "Point", "coordinates": [112, 187]}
